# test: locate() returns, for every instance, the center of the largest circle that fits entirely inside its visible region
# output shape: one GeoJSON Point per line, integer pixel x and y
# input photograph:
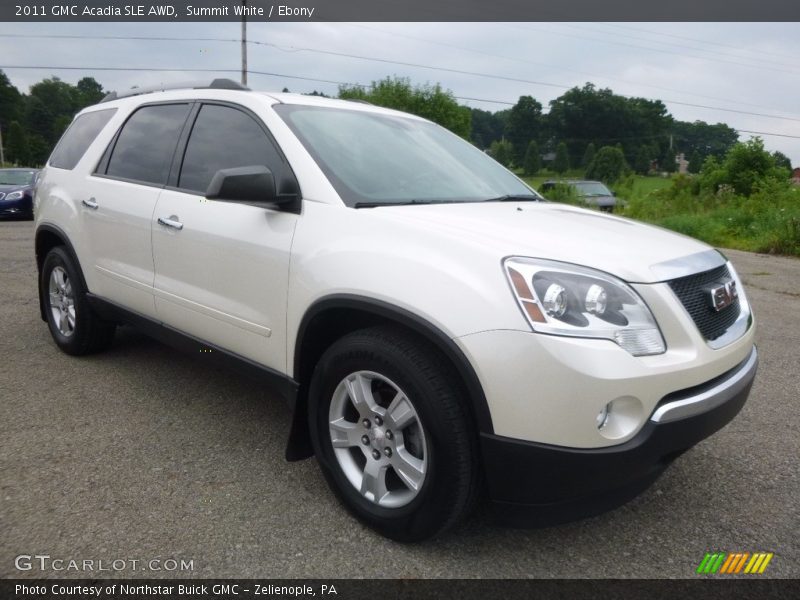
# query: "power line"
{"type": "Point", "coordinates": [786, 135]}
{"type": "Point", "coordinates": [414, 65]}
{"type": "Point", "coordinates": [434, 68]}
{"type": "Point", "coordinates": [691, 39]}
{"type": "Point", "coordinates": [301, 78]}
{"type": "Point", "coordinates": [250, 71]}
{"type": "Point", "coordinates": [760, 62]}
{"type": "Point", "coordinates": [518, 80]}
{"type": "Point", "coordinates": [472, 73]}
{"type": "Point", "coordinates": [171, 70]}
{"type": "Point", "coordinates": [661, 50]}
{"type": "Point", "coordinates": [550, 66]}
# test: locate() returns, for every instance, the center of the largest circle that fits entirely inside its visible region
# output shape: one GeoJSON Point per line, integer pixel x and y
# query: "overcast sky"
{"type": "Point", "coordinates": [747, 67]}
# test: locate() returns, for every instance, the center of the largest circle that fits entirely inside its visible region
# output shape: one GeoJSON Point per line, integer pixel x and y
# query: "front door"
{"type": "Point", "coordinates": [222, 268]}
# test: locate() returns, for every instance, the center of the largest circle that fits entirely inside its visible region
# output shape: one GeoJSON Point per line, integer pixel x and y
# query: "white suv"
{"type": "Point", "coordinates": [438, 330]}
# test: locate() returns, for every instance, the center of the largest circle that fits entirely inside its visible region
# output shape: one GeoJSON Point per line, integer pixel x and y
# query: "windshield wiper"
{"type": "Point", "coordinates": [403, 203]}
{"type": "Point", "coordinates": [515, 198]}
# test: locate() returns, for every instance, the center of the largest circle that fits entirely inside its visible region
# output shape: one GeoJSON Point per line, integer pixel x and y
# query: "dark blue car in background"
{"type": "Point", "coordinates": [16, 192]}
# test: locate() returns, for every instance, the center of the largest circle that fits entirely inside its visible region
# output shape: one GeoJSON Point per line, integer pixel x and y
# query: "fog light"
{"type": "Point", "coordinates": [602, 417]}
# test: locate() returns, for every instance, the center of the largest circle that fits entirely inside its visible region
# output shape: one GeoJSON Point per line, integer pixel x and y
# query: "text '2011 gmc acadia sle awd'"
{"type": "Point", "coordinates": [439, 331]}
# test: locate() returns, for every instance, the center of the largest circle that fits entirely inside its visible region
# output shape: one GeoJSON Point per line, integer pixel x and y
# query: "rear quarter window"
{"type": "Point", "coordinates": [78, 137]}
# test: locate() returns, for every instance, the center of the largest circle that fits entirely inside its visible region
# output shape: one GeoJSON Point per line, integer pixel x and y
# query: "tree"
{"type": "Point", "coordinates": [502, 151]}
{"type": "Point", "coordinates": [524, 124]}
{"type": "Point", "coordinates": [38, 150]}
{"type": "Point", "coordinates": [428, 101]}
{"type": "Point", "coordinates": [589, 114]}
{"type": "Point", "coordinates": [745, 166]}
{"type": "Point", "coordinates": [588, 156]}
{"type": "Point", "coordinates": [781, 160]}
{"type": "Point", "coordinates": [532, 161]}
{"type": "Point", "coordinates": [16, 145]}
{"type": "Point", "coordinates": [89, 92]}
{"type": "Point", "coordinates": [608, 165]}
{"type": "Point", "coordinates": [642, 163]}
{"type": "Point", "coordinates": [487, 127]}
{"type": "Point", "coordinates": [695, 162]}
{"type": "Point", "coordinates": [11, 104]}
{"type": "Point", "coordinates": [561, 161]}
{"type": "Point", "coordinates": [667, 161]}
{"type": "Point", "coordinates": [39, 119]}
{"type": "Point", "coordinates": [58, 96]}
{"type": "Point", "coordinates": [704, 139]}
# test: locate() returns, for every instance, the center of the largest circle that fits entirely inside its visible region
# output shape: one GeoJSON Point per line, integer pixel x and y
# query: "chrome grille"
{"type": "Point", "coordinates": [693, 294]}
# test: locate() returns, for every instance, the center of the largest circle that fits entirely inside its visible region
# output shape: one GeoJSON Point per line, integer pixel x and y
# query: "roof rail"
{"type": "Point", "coordinates": [216, 84]}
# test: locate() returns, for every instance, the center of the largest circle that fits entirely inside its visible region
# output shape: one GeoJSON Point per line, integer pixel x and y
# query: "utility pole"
{"type": "Point", "coordinates": [2, 156]}
{"type": "Point", "coordinates": [244, 42]}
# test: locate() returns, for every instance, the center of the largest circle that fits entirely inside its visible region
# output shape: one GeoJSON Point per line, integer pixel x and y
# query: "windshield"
{"type": "Point", "coordinates": [16, 177]}
{"type": "Point", "coordinates": [380, 159]}
{"type": "Point", "coordinates": [592, 188]}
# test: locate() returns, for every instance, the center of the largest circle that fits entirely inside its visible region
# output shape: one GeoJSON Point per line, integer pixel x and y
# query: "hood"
{"type": "Point", "coordinates": [5, 188]}
{"type": "Point", "coordinates": [600, 199]}
{"type": "Point", "coordinates": [622, 247]}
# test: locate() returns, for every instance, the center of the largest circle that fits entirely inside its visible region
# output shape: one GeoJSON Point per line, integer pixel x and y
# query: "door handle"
{"type": "Point", "coordinates": [90, 203]}
{"type": "Point", "coordinates": [172, 221]}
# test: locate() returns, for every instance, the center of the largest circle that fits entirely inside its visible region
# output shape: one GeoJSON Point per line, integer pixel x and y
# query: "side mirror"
{"type": "Point", "coordinates": [249, 185]}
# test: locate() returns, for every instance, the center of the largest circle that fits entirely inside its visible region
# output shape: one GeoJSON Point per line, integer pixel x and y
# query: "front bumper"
{"type": "Point", "coordinates": [542, 484]}
{"type": "Point", "coordinates": [16, 208]}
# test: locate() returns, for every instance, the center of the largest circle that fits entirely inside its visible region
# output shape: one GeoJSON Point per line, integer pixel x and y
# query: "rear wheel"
{"type": "Point", "coordinates": [73, 325]}
{"type": "Point", "coordinates": [391, 433]}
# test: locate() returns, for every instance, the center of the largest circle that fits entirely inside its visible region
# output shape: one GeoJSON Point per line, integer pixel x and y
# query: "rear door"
{"type": "Point", "coordinates": [119, 200]}
{"type": "Point", "coordinates": [222, 268]}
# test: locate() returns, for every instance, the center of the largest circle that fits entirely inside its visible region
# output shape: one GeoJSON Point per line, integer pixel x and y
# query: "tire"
{"type": "Point", "coordinates": [75, 328]}
{"type": "Point", "coordinates": [421, 478]}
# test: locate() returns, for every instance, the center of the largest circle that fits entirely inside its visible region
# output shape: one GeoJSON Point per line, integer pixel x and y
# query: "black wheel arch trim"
{"type": "Point", "coordinates": [299, 446]}
{"type": "Point", "coordinates": [60, 234]}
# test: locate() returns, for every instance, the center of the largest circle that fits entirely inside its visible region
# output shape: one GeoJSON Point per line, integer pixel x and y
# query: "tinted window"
{"type": "Point", "coordinates": [222, 138]}
{"type": "Point", "coordinates": [79, 137]}
{"type": "Point", "coordinates": [145, 145]}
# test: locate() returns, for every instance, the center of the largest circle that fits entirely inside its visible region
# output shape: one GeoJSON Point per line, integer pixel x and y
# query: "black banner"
{"type": "Point", "coordinates": [339, 589]}
{"type": "Point", "coordinates": [399, 10]}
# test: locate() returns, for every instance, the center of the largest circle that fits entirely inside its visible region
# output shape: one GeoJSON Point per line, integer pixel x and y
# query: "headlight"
{"type": "Point", "coordinates": [15, 195]}
{"type": "Point", "coordinates": [563, 299]}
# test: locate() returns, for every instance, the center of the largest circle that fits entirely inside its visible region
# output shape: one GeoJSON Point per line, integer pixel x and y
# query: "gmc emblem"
{"type": "Point", "coordinates": [722, 295]}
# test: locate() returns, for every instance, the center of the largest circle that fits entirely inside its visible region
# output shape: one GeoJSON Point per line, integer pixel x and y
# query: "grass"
{"type": "Point", "coordinates": [634, 186]}
{"type": "Point", "coordinates": [766, 222]}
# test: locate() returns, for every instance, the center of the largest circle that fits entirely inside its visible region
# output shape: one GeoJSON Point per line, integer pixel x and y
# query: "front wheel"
{"type": "Point", "coordinates": [392, 435]}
